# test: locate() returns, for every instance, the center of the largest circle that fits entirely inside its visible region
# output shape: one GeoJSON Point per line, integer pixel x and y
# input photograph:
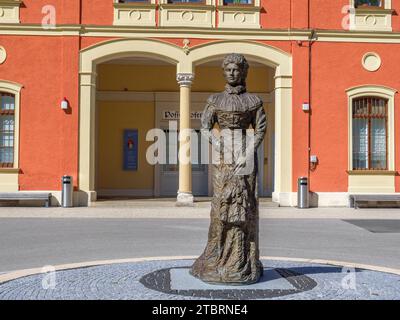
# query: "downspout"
{"type": "Point", "coordinates": [80, 18]}
{"type": "Point", "coordinates": [80, 24]}
{"type": "Point", "coordinates": [311, 41]}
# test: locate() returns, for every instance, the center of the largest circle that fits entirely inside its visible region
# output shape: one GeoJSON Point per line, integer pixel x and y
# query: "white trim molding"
{"type": "Point", "coordinates": [221, 34]}
{"type": "Point", "coordinates": [9, 176]}
{"type": "Point", "coordinates": [140, 14]}
{"type": "Point", "coordinates": [239, 16]}
{"type": "Point", "coordinates": [372, 182]}
{"type": "Point", "coordinates": [371, 19]}
{"type": "Point", "coordinates": [9, 11]}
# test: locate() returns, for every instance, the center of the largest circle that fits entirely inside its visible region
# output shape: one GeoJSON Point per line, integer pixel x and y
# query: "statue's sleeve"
{"type": "Point", "coordinates": [259, 125]}
{"type": "Point", "coordinates": [208, 120]}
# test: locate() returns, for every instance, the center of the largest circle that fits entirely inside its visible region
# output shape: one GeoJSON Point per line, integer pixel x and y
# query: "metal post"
{"type": "Point", "coordinates": [303, 199]}
{"type": "Point", "coordinates": [67, 192]}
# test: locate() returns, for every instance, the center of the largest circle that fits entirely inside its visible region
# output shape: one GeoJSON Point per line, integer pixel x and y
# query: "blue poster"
{"type": "Point", "coordinates": [131, 144]}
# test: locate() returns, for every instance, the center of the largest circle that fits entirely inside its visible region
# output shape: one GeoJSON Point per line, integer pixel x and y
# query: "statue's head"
{"type": "Point", "coordinates": [235, 69]}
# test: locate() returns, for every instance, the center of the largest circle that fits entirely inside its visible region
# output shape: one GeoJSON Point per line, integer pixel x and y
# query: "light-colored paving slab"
{"type": "Point", "coordinates": [181, 279]}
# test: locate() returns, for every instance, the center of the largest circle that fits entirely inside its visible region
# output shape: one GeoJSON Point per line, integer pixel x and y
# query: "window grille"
{"type": "Point", "coordinates": [370, 136]}
{"type": "Point", "coordinates": [7, 122]}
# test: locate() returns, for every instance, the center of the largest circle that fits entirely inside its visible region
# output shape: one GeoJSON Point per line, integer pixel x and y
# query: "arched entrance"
{"type": "Point", "coordinates": [185, 64]}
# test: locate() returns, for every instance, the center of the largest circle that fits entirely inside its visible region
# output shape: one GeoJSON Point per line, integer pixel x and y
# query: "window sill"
{"type": "Point", "coordinates": [374, 10]}
{"type": "Point", "coordinates": [372, 172]}
{"type": "Point", "coordinates": [134, 5]}
{"type": "Point", "coordinates": [10, 170]}
{"type": "Point", "coordinates": [186, 5]}
{"type": "Point", "coordinates": [240, 7]}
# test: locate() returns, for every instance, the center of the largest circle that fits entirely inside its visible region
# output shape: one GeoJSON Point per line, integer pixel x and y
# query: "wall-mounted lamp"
{"type": "Point", "coordinates": [313, 159]}
{"type": "Point", "coordinates": [313, 162]}
{"type": "Point", "coordinates": [64, 104]}
{"type": "Point", "coordinates": [306, 106]}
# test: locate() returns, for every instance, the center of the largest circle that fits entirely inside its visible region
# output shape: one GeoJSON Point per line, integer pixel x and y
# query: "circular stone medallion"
{"type": "Point", "coordinates": [370, 20]}
{"type": "Point", "coordinates": [371, 61]}
{"type": "Point", "coordinates": [239, 17]}
{"type": "Point", "coordinates": [3, 55]}
{"type": "Point", "coordinates": [135, 15]}
{"type": "Point", "coordinates": [187, 16]}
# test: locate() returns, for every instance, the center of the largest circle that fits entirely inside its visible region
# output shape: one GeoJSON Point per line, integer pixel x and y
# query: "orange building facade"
{"type": "Point", "coordinates": [327, 72]}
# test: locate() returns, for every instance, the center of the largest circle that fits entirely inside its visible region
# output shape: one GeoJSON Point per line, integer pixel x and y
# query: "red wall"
{"type": "Point", "coordinates": [335, 68]}
{"type": "Point", "coordinates": [67, 11]}
{"type": "Point", "coordinates": [47, 67]}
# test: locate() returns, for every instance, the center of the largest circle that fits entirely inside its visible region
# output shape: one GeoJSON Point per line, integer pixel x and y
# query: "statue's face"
{"type": "Point", "coordinates": [233, 74]}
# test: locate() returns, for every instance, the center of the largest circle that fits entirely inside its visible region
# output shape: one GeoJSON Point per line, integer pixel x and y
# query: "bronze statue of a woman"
{"type": "Point", "coordinates": [232, 252]}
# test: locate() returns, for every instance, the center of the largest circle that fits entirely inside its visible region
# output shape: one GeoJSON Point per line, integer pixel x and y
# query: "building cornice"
{"type": "Point", "coordinates": [200, 33]}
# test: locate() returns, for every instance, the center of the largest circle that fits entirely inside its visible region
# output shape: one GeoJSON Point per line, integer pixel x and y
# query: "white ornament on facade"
{"type": "Point", "coordinates": [187, 16]}
{"type": "Point", "coordinates": [3, 55]}
{"type": "Point", "coordinates": [239, 17]}
{"type": "Point", "coordinates": [185, 47]}
{"type": "Point", "coordinates": [370, 20]}
{"type": "Point", "coordinates": [135, 15]}
{"type": "Point", "coordinates": [371, 61]}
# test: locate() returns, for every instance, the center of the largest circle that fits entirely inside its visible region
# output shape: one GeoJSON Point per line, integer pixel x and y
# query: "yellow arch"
{"type": "Point", "coordinates": [121, 48]}
{"type": "Point", "coordinates": [256, 51]}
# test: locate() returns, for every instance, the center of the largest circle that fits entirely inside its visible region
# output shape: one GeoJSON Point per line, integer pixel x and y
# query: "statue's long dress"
{"type": "Point", "coordinates": [232, 252]}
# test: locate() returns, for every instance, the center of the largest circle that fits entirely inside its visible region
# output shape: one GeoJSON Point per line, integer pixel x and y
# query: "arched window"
{"type": "Point", "coordinates": [7, 129]}
{"type": "Point", "coordinates": [371, 139]}
{"type": "Point", "coordinates": [370, 133]}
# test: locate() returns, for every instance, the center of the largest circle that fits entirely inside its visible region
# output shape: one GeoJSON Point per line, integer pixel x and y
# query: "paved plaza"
{"type": "Point", "coordinates": [170, 280]}
{"type": "Point", "coordinates": [144, 251]}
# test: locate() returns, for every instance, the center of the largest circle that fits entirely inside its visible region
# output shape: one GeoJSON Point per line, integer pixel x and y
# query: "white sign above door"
{"type": "Point", "coordinates": [175, 115]}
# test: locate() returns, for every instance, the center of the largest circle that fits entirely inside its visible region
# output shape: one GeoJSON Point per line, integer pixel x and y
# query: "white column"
{"type": "Point", "coordinates": [283, 141]}
{"type": "Point", "coordinates": [87, 122]}
{"type": "Point", "coordinates": [185, 195]}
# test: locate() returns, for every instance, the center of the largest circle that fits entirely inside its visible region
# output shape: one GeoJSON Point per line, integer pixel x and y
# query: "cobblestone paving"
{"type": "Point", "coordinates": [122, 281]}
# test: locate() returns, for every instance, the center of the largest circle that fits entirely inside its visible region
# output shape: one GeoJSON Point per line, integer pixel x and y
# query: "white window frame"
{"type": "Point", "coordinates": [9, 176]}
{"type": "Point", "coordinates": [376, 91]}
{"type": "Point", "coordinates": [372, 181]}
